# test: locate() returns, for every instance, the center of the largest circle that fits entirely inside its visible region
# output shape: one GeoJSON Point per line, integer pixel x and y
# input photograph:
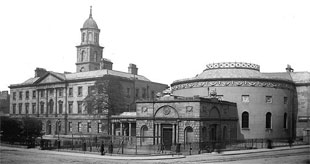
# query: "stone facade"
{"type": "Point", "coordinates": [170, 120]}
{"type": "Point", "coordinates": [58, 98]}
{"type": "Point", "coordinates": [257, 95]}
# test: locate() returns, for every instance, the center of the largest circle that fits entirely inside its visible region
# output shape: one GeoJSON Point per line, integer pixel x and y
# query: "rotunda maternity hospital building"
{"type": "Point", "coordinates": [266, 102]}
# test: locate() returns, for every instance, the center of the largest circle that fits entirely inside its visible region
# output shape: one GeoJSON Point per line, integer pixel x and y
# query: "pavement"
{"type": "Point", "coordinates": [154, 157]}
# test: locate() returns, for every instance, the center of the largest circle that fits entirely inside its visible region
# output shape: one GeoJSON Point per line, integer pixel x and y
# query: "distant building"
{"type": "Point", "coordinates": [270, 105]}
{"type": "Point", "coordinates": [4, 102]}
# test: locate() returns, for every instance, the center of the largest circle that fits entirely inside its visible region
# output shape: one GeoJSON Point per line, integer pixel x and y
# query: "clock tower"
{"type": "Point", "coordinates": [89, 52]}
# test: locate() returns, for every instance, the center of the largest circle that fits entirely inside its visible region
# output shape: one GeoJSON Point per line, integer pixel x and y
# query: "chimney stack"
{"type": "Point", "coordinates": [106, 64]}
{"type": "Point", "coordinates": [39, 72]}
{"type": "Point", "coordinates": [289, 68]}
{"type": "Point", "coordinates": [132, 68]}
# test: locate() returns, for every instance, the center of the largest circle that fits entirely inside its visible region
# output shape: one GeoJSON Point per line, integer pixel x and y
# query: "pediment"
{"type": "Point", "coordinates": [49, 78]}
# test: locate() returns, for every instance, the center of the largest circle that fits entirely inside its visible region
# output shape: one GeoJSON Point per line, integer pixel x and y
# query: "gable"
{"type": "Point", "coordinates": [49, 79]}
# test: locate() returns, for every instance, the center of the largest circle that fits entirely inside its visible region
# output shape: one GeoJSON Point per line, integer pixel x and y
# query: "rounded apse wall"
{"type": "Point", "coordinates": [268, 101]}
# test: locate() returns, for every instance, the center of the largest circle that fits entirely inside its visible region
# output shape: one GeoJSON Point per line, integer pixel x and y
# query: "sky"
{"type": "Point", "coordinates": [167, 39]}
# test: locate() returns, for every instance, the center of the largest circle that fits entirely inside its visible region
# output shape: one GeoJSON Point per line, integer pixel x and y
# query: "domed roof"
{"type": "Point", "coordinates": [90, 22]}
{"type": "Point", "coordinates": [229, 70]}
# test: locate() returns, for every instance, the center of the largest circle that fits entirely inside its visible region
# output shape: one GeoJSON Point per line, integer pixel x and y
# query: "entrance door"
{"type": "Point", "coordinates": [167, 138]}
{"type": "Point", "coordinates": [213, 132]}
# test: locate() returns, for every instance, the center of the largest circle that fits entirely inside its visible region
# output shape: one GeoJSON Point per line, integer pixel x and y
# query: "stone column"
{"type": "Point", "coordinates": [177, 133]}
{"type": "Point", "coordinates": [155, 134]}
{"type": "Point", "coordinates": [129, 132]}
{"type": "Point", "coordinates": [121, 128]}
{"type": "Point", "coordinates": [113, 126]}
{"type": "Point", "coordinates": [173, 134]}
{"type": "Point", "coordinates": [159, 133]}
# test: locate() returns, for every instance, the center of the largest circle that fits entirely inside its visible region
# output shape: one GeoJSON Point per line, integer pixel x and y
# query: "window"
{"type": "Point", "coordinates": [79, 103]}
{"type": "Point", "coordinates": [42, 93]}
{"type": "Point", "coordinates": [128, 92]}
{"type": "Point", "coordinates": [27, 95]}
{"type": "Point", "coordinates": [42, 107]}
{"type": "Point", "coordinates": [89, 127]}
{"type": "Point", "coordinates": [153, 94]}
{"type": "Point", "coordinates": [51, 106]}
{"type": "Point", "coordinates": [51, 92]}
{"type": "Point", "coordinates": [285, 100]}
{"type": "Point", "coordinates": [14, 108]}
{"type": "Point", "coordinates": [82, 56]}
{"type": "Point", "coordinates": [70, 126]}
{"type": "Point", "coordinates": [20, 95]}
{"type": "Point", "coordinates": [70, 107]}
{"type": "Point", "coordinates": [137, 93]}
{"type": "Point", "coordinates": [34, 94]}
{"type": "Point", "coordinates": [189, 134]}
{"type": "Point", "coordinates": [79, 127]}
{"type": "Point", "coordinates": [245, 120]}
{"type": "Point", "coordinates": [269, 99]}
{"type": "Point", "coordinates": [60, 106]}
{"type": "Point", "coordinates": [245, 98]}
{"type": "Point", "coordinates": [268, 120]}
{"type": "Point", "coordinates": [143, 93]}
{"type": "Point", "coordinates": [80, 91]}
{"type": "Point", "coordinates": [60, 93]}
{"type": "Point", "coordinates": [14, 95]}
{"type": "Point", "coordinates": [34, 108]}
{"type": "Point", "coordinates": [144, 130]}
{"type": "Point", "coordinates": [83, 37]}
{"type": "Point", "coordinates": [90, 36]}
{"type": "Point", "coordinates": [70, 91]}
{"type": "Point", "coordinates": [285, 121]}
{"type": "Point", "coordinates": [20, 106]}
{"type": "Point", "coordinates": [27, 108]}
{"type": "Point", "coordinates": [99, 127]}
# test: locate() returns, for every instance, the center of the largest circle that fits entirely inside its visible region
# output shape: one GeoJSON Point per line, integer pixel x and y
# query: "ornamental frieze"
{"type": "Point", "coordinates": [232, 83]}
{"type": "Point", "coordinates": [226, 65]}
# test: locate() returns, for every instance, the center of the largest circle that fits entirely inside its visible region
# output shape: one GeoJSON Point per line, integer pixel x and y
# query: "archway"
{"type": "Point", "coordinates": [189, 135]}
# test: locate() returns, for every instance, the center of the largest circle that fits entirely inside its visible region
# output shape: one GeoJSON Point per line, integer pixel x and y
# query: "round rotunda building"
{"type": "Point", "coordinates": [265, 102]}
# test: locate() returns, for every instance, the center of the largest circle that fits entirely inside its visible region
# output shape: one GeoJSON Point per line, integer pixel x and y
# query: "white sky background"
{"type": "Point", "coordinates": [166, 39]}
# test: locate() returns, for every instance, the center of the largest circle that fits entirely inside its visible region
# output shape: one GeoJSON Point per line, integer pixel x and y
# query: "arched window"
{"type": "Point", "coordinates": [144, 130]}
{"type": "Point", "coordinates": [285, 121]}
{"type": "Point", "coordinates": [83, 37]}
{"type": "Point", "coordinates": [51, 106]}
{"type": "Point", "coordinates": [60, 106]}
{"type": "Point", "coordinates": [82, 69]}
{"type": "Point", "coordinates": [189, 134]}
{"type": "Point", "coordinates": [82, 56]}
{"type": "Point", "coordinates": [245, 120]}
{"type": "Point", "coordinates": [90, 37]}
{"type": "Point", "coordinates": [41, 107]}
{"type": "Point", "coordinates": [224, 133]}
{"type": "Point", "coordinates": [268, 120]}
{"type": "Point", "coordinates": [204, 134]}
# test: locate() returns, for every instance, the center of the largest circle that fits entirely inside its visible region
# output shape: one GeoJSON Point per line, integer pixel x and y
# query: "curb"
{"type": "Point", "coordinates": [115, 157]}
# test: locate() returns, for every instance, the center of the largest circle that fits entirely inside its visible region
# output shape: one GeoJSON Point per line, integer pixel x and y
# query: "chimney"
{"type": "Point", "coordinates": [133, 69]}
{"type": "Point", "coordinates": [106, 64]}
{"type": "Point", "coordinates": [289, 68]}
{"type": "Point", "coordinates": [39, 72]}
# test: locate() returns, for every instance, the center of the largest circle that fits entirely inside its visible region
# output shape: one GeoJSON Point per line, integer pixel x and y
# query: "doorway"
{"type": "Point", "coordinates": [167, 138]}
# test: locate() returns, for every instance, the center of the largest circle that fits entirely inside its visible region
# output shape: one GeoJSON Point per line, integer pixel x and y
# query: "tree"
{"type": "Point", "coordinates": [10, 129]}
{"type": "Point", "coordinates": [31, 129]}
{"type": "Point", "coordinates": [105, 97]}
{"type": "Point", "coordinates": [20, 130]}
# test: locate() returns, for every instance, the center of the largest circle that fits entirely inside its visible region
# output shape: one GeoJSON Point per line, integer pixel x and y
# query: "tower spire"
{"type": "Point", "coordinates": [90, 13]}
